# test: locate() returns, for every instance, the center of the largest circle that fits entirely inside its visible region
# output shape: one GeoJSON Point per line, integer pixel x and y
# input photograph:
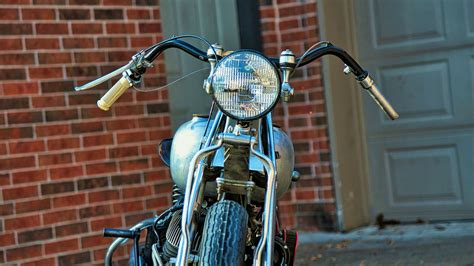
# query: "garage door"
{"type": "Point", "coordinates": [422, 55]}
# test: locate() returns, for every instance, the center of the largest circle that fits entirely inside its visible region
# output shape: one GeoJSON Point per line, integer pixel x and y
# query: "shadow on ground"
{"type": "Point", "coordinates": [429, 244]}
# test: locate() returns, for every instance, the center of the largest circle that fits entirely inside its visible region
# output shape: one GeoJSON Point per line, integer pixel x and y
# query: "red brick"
{"type": "Point", "coordinates": [24, 117]}
{"type": "Point", "coordinates": [121, 152]}
{"type": "Point", "coordinates": [140, 42]}
{"type": "Point", "coordinates": [52, 130]}
{"type": "Point", "coordinates": [158, 202]}
{"type": "Point", "coordinates": [71, 229]}
{"type": "Point", "coordinates": [15, 163]}
{"type": "Point", "coordinates": [19, 88]}
{"type": "Point", "coordinates": [16, 29]}
{"type": "Point", "coordinates": [20, 192]}
{"type": "Point", "coordinates": [75, 259]}
{"type": "Point", "coordinates": [136, 192]}
{"type": "Point", "coordinates": [305, 195]}
{"type": "Point", "coordinates": [11, 44]}
{"type": "Point", "coordinates": [85, 127]}
{"type": "Point", "coordinates": [139, 164]}
{"type": "Point", "coordinates": [6, 209]}
{"type": "Point", "coordinates": [42, 43]}
{"type": "Point", "coordinates": [93, 211]}
{"type": "Point", "coordinates": [45, 72]}
{"type": "Point", "coordinates": [14, 103]}
{"type": "Point", "coordinates": [110, 42]}
{"type": "Point", "coordinates": [118, 124]}
{"type": "Point", "coordinates": [17, 59]}
{"type": "Point", "coordinates": [86, 99]}
{"type": "Point", "coordinates": [149, 27]}
{"type": "Point", "coordinates": [35, 235]}
{"type": "Point", "coordinates": [122, 179]}
{"type": "Point", "coordinates": [61, 246]}
{"type": "Point", "coordinates": [29, 176]}
{"type": "Point", "coordinates": [56, 188]}
{"type": "Point", "coordinates": [16, 133]}
{"type": "Point", "coordinates": [125, 207]}
{"type": "Point", "coordinates": [40, 262]}
{"type": "Point", "coordinates": [38, 14]}
{"type": "Point", "coordinates": [63, 143]}
{"type": "Point", "coordinates": [7, 239]}
{"type": "Point", "coordinates": [94, 241]}
{"type": "Point", "coordinates": [91, 155]}
{"type": "Point", "coordinates": [138, 14]}
{"type": "Point", "coordinates": [88, 57]}
{"type": "Point", "coordinates": [108, 14]}
{"type": "Point", "coordinates": [64, 172]}
{"type": "Point", "coordinates": [97, 140]}
{"type": "Point", "coordinates": [60, 216]}
{"type": "Point", "coordinates": [26, 146]}
{"type": "Point", "coordinates": [71, 200]}
{"type": "Point", "coordinates": [105, 195]}
{"type": "Point", "coordinates": [49, 2]}
{"type": "Point", "coordinates": [19, 253]}
{"type": "Point", "coordinates": [117, 2]}
{"type": "Point", "coordinates": [74, 14]}
{"type": "Point", "coordinates": [33, 205]}
{"type": "Point", "coordinates": [131, 137]}
{"type": "Point", "coordinates": [78, 43]}
{"type": "Point", "coordinates": [51, 159]}
{"type": "Point", "coordinates": [109, 222]}
{"type": "Point", "coordinates": [113, 27]}
{"type": "Point", "coordinates": [58, 58]}
{"type": "Point", "coordinates": [87, 28]}
{"type": "Point", "coordinates": [159, 134]}
{"type": "Point", "coordinates": [22, 222]}
{"type": "Point", "coordinates": [52, 28]}
{"type": "Point", "coordinates": [61, 115]}
{"type": "Point", "coordinates": [99, 168]}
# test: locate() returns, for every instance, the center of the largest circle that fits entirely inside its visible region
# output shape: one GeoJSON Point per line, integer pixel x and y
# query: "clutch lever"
{"type": "Point", "coordinates": [104, 78]}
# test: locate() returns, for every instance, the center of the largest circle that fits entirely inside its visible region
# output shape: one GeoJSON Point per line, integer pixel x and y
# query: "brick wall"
{"type": "Point", "coordinates": [292, 24]}
{"type": "Point", "coordinates": [68, 169]}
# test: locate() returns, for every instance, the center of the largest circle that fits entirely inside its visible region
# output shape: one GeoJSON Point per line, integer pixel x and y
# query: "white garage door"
{"type": "Point", "coordinates": [421, 53]}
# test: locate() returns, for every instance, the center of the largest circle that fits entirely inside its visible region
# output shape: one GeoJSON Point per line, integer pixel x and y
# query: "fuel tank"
{"type": "Point", "coordinates": [187, 141]}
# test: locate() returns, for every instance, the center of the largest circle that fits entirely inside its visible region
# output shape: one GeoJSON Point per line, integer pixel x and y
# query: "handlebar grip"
{"type": "Point", "coordinates": [378, 97]}
{"type": "Point", "coordinates": [110, 232]}
{"type": "Point", "coordinates": [113, 94]}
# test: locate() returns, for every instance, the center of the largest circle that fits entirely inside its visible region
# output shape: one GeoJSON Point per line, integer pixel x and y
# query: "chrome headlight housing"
{"type": "Point", "coordinates": [245, 85]}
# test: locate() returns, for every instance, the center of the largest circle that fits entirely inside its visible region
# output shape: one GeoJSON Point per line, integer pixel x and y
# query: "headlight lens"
{"type": "Point", "coordinates": [245, 85]}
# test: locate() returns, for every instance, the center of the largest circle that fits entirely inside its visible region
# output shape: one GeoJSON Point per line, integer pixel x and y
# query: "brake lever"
{"type": "Point", "coordinates": [104, 78]}
{"type": "Point", "coordinates": [138, 62]}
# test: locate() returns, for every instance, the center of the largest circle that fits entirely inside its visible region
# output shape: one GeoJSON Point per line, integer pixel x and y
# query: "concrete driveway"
{"type": "Point", "coordinates": [426, 244]}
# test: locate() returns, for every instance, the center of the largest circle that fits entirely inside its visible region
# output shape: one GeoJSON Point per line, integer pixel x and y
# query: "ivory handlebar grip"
{"type": "Point", "coordinates": [113, 94]}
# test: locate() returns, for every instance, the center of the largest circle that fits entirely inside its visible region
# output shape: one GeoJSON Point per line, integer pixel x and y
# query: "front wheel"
{"type": "Point", "coordinates": [224, 233]}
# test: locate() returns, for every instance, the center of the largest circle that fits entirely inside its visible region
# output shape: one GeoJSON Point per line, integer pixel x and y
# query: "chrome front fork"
{"type": "Point", "coordinates": [264, 252]}
{"type": "Point", "coordinates": [193, 185]}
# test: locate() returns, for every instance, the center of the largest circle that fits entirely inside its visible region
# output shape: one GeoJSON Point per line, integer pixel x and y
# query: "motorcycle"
{"type": "Point", "coordinates": [229, 168]}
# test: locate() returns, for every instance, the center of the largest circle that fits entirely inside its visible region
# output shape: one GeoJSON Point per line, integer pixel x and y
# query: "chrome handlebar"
{"type": "Point", "coordinates": [368, 84]}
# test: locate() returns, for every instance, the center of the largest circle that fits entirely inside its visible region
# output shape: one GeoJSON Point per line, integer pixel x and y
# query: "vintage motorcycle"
{"type": "Point", "coordinates": [229, 168]}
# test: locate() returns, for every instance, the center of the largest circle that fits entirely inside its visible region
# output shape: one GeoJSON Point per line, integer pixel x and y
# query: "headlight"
{"type": "Point", "coordinates": [245, 85]}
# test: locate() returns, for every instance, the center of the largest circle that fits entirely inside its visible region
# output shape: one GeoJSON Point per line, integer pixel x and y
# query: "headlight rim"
{"type": "Point", "coordinates": [270, 108]}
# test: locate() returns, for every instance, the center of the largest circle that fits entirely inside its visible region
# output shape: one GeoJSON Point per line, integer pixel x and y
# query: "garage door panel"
{"type": "Point", "coordinates": [406, 29]}
{"type": "Point", "coordinates": [406, 85]}
{"type": "Point", "coordinates": [430, 91]}
{"type": "Point", "coordinates": [468, 11]}
{"type": "Point", "coordinates": [420, 177]}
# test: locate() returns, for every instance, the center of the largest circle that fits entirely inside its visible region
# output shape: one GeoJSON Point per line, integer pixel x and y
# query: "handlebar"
{"type": "Point", "coordinates": [142, 60]}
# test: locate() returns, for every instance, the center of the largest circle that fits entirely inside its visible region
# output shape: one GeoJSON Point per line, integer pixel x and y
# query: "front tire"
{"type": "Point", "coordinates": [224, 234]}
